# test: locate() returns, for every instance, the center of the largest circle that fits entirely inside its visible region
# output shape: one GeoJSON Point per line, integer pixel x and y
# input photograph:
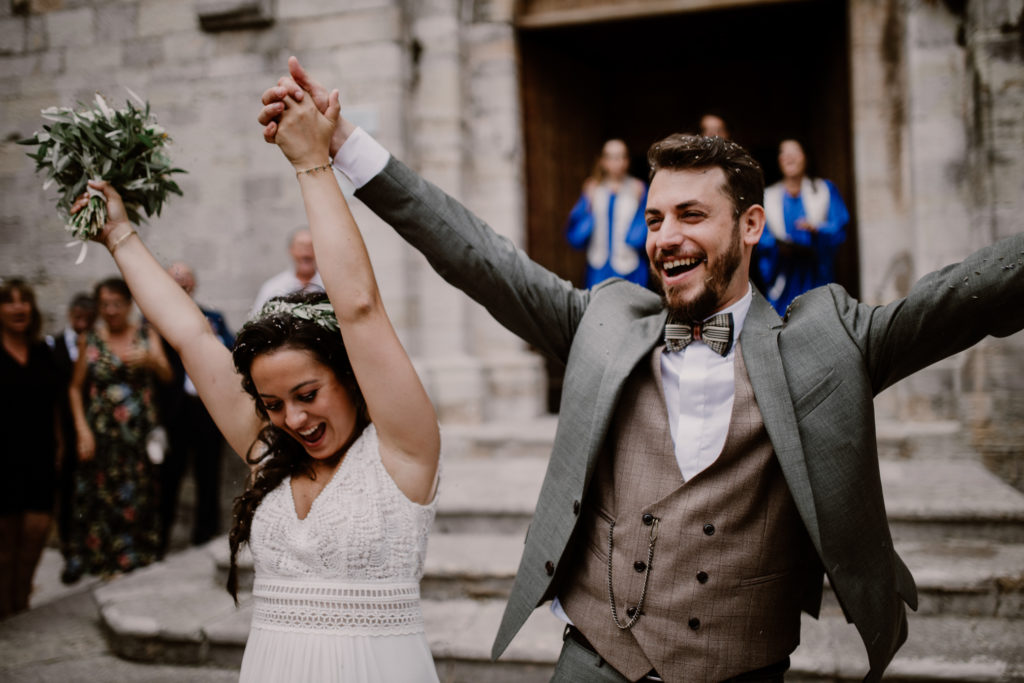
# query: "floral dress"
{"type": "Point", "coordinates": [115, 526]}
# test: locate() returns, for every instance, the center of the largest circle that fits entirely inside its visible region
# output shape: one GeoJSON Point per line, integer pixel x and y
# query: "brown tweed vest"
{"type": "Point", "coordinates": [731, 562]}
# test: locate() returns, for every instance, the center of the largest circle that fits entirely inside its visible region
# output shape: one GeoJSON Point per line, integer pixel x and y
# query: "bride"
{"type": "Point", "coordinates": [322, 402]}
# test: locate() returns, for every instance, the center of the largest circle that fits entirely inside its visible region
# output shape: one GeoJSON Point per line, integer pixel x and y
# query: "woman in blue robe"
{"type": "Point", "coordinates": [608, 220]}
{"type": "Point", "coordinates": [805, 224]}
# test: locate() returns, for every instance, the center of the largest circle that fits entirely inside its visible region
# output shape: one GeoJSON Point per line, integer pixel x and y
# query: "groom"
{"type": "Point", "coordinates": [712, 461]}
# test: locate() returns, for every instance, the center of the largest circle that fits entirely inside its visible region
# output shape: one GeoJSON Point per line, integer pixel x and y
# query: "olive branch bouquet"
{"type": "Point", "coordinates": [124, 147]}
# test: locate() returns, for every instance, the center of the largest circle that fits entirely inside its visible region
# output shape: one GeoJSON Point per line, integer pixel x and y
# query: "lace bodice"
{"type": "Point", "coordinates": [354, 562]}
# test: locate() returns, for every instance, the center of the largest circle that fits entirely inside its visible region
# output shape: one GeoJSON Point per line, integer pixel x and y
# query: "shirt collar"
{"type": "Point", "coordinates": [739, 311]}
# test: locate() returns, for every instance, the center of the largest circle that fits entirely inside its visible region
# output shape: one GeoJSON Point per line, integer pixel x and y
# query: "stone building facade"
{"type": "Point", "coordinates": [925, 108]}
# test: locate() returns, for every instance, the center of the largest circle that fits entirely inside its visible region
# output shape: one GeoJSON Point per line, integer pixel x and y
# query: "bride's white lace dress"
{"type": "Point", "coordinates": [336, 595]}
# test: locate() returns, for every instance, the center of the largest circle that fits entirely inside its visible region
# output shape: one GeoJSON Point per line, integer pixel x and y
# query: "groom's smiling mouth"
{"type": "Point", "coordinates": [674, 267]}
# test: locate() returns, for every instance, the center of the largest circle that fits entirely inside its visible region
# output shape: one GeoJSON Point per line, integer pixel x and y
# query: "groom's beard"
{"type": "Point", "coordinates": [705, 302]}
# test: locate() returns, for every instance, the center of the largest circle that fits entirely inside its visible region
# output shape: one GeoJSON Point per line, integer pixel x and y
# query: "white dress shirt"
{"type": "Point", "coordinates": [361, 158]}
{"type": "Point", "coordinates": [699, 389]}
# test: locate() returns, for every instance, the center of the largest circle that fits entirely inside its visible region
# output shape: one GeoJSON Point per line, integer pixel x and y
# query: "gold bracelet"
{"type": "Point", "coordinates": [311, 171]}
{"type": "Point", "coordinates": [113, 247]}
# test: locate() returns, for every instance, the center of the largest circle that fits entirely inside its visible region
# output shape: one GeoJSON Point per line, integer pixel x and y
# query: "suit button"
{"type": "Point", "coordinates": [630, 612]}
{"type": "Point", "coordinates": [639, 566]}
{"type": "Point", "coordinates": [575, 507]}
{"type": "Point", "coordinates": [702, 577]}
{"type": "Point", "coordinates": [549, 567]}
{"type": "Point", "coordinates": [648, 519]}
{"type": "Point", "coordinates": [694, 623]}
{"type": "Point", "coordinates": [709, 529]}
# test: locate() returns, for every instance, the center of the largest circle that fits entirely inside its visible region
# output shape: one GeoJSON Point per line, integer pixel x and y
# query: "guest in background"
{"type": "Point", "coordinates": [805, 224]}
{"type": "Point", "coordinates": [194, 438]}
{"type": "Point", "coordinates": [29, 400]}
{"type": "Point", "coordinates": [608, 219]}
{"type": "Point", "coordinates": [81, 317]}
{"type": "Point", "coordinates": [301, 277]}
{"type": "Point", "coordinates": [115, 518]}
{"type": "Point", "coordinates": [713, 126]}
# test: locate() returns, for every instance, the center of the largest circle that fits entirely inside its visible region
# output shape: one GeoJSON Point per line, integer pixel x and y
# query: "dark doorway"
{"type": "Point", "coordinates": [771, 71]}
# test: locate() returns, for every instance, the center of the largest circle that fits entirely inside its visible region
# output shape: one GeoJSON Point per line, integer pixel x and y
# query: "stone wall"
{"type": "Point", "coordinates": [938, 143]}
{"type": "Point", "coordinates": [437, 88]}
{"type": "Point", "coordinates": [993, 378]}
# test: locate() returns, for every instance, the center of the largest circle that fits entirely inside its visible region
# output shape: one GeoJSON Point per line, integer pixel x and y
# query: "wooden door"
{"type": "Point", "coordinates": [772, 71]}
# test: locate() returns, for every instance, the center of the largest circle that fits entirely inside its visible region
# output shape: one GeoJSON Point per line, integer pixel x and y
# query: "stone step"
{"type": "Point", "coordinates": [172, 613]}
{"type": "Point", "coordinates": [934, 439]}
{"type": "Point", "coordinates": [964, 578]}
{"type": "Point", "coordinates": [897, 439]}
{"type": "Point", "coordinates": [935, 500]}
{"type": "Point", "coordinates": [492, 495]}
{"type": "Point", "coordinates": [956, 577]}
{"type": "Point", "coordinates": [947, 649]}
{"type": "Point", "coordinates": [927, 500]}
{"type": "Point", "coordinates": [930, 504]}
{"type": "Point", "coordinates": [500, 438]}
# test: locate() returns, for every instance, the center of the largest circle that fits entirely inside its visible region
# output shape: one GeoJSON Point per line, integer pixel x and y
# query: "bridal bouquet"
{"type": "Point", "coordinates": [124, 147]}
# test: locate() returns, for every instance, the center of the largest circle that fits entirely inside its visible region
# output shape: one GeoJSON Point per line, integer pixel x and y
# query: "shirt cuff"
{"type": "Point", "coordinates": [361, 158]}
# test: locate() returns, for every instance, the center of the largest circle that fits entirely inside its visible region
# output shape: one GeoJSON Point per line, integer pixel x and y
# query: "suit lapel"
{"type": "Point", "coordinates": [637, 343]}
{"type": "Point", "coordinates": [760, 348]}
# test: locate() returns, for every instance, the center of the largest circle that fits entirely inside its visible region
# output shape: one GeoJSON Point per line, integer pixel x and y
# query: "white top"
{"type": "Point", "coordinates": [283, 283]}
{"type": "Point", "coordinates": [353, 565]}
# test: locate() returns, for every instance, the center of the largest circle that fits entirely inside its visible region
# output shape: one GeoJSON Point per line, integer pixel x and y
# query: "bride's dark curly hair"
{"type": "Point", "coordinates": [277, 454]}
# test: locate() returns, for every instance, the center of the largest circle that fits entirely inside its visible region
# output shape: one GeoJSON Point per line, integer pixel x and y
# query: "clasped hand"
{"type": "Point", "coordinates": [299, 85]}
{"type": "Point", "coordinates": [303, 133]}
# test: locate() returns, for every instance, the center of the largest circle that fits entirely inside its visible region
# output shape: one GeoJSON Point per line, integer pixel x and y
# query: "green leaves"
{"type": "Point", "coordinates": [124, 147]}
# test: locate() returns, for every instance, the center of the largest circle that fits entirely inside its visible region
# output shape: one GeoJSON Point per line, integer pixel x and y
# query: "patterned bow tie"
{"type": "Point", "coordinates": [716, 332]}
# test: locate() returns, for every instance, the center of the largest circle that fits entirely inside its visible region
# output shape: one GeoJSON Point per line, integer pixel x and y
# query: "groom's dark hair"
{"type": "Point", "coordinates": [744, 180]}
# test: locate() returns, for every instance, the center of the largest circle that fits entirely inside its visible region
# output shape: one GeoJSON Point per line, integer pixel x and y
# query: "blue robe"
{"type": "Point", "coordinates": [581, 226]}
{"type": "Point", "coordinates": [785, 270]}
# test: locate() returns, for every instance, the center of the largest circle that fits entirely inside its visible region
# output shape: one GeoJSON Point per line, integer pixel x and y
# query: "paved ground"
{"type": "Point", "coordinates": [61, 638]}
{"type": "Point", "coordinates": [59, 641]}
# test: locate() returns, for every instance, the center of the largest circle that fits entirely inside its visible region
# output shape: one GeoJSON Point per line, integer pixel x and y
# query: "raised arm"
{"type": "Point", "coordinates": [396, 400]}
{"type": "Point", "coordinates": [531, 301]}
{"type": "Point", "coordinates": [944, 313]}
{"type": "Point", "coordinates": [181, 323]}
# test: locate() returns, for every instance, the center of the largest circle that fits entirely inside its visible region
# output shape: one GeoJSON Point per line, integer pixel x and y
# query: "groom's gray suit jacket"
{"type": "Point", "coordinates": [814, 376]}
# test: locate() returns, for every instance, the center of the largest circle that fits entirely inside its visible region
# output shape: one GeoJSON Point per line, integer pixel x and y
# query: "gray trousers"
{"type": "Point", "coordinates": [576, 664]}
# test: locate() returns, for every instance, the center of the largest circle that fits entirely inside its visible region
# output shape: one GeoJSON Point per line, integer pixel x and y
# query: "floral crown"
{"type": "Point", "coordinates": [320, 313]}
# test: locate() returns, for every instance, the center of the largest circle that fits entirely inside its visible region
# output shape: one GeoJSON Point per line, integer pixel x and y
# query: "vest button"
{"type": "Point", "coordinates": [639, 566]}
{"type": "Point", "coordinates": [549, 567]}
{"type": "Point", "coordinates": [648, 519]}
{"type": "Point", "coordinates": [694, 623]}
{"type": "Point", "coordinates": [630, 612]}
{"type": "Point", "coordinates": [709, 529]}
{"type": "Point", "coordinates": [575, 507]}
{"type": "Point", "coordinates": [702, 577]}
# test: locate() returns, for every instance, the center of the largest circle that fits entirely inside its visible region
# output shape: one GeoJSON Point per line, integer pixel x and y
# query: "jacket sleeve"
{"type": "Point", "coordinates": [529, 300]}
{"type": "Point", "coordinates": [945, 312]}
